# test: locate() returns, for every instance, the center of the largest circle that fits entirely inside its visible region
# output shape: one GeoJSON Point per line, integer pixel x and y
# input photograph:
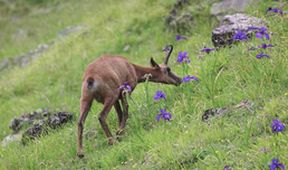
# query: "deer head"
{"type": "Point", "coordinates": [164, 73]}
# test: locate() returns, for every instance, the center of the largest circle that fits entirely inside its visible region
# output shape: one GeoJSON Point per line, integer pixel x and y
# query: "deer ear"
{"type": "Point", "coordinates": [153, 63]}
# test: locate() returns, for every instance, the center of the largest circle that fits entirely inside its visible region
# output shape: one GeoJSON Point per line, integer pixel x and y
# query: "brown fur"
{"type": "Point", "coordinates": [101, 81]}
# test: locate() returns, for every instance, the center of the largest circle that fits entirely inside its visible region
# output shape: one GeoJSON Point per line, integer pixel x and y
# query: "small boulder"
{"type": "Point", "coordinates": [222, 35]}
{"type": "Point", "coordinates": [35, 124]}
{"type": "Point", "coordinates": [10, 139]}
{"type": "Point", "coordinates": [4, 64]}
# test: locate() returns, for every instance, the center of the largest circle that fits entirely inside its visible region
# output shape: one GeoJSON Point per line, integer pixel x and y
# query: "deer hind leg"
{"type": "Point", "coordinates": [125, 107]}
{"type": "Point", "coordinates": [102, 118]}
{"type": "Point", "coordinates": [119, 111]}
{"type": "Point", "coordinates": [85, 105]}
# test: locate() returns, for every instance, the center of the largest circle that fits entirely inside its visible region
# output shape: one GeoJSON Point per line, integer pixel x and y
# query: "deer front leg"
{"type": "Point", "coordinates": [102, 119]}
{"type": "Point", "coordinates": [125, 107]}
{"type": "Point", "coordinates": [85, 105]}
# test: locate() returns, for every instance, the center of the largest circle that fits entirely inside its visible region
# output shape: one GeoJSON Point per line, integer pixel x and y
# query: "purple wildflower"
{"type": "Point", "coordinates": [227, 167]}
{"type": "Point", "coordinates": [274, 10]}
{"type": "Point", "coordinates": [261, 55]}
{"type": "Point", "coordinates": [277, 126]}
{"type": "Point", "coordinates": [276, 165]}
{"type": "Point", "coordinates": [159, 95]}
{"type": "Point", "coordinates": [126, 87]}
{"type": "Point", "coordinates": [188, 78]}
{"type": "Point", "coordinates": [262, 32]}
{"type": "Point", "coordinates": [239, 36]}
{"type": "Point", "coordinates": [164, 115]}
{"type": "Point", "coordinates": [264, 46]}
{"type": "Point", "coordinates": [183, 57]}
{"type": "Point", "coordinates": [180, 37]}
{"type": "Point", "coordinates": [207, 50]}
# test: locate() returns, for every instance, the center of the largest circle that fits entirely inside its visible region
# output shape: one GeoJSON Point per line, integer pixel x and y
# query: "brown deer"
{"type": "Point", "coordinates": [101, 81]}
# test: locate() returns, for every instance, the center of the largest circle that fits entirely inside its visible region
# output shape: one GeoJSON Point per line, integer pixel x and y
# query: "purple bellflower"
{"type": "Point", "coordinates": [180, 37]}
{"type": "Point", "coordinates": [188, 78]}
{"type": "Point", "coordinates": [262, 32]}
{"type": "Point", "coordinates": [159, 95]}
{"type": "Point", "coordinates": [239, 36]}
{"type": "Point", "coordinates": [277, 126]}
{"type": "Point", "coordinates": [183, 57]}
{"type": "Point", "coordinates": [274, 10]}
{"type": "Point", "coordinates": [126, 87]}
{"type": "Point", "coordinates": [163, 115]}
{"type": "Point", "coordinates": [264, 46]}
{"type": "Point", "coordinates": [276, 165]}
{"type": "Point", "coordinates": [262, 55]}
{"type": "Point", "coordinates": [207, 50]}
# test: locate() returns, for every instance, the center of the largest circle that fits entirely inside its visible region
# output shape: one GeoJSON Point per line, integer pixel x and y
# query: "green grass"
{"type": "Point", "coordinates": [226, 77]}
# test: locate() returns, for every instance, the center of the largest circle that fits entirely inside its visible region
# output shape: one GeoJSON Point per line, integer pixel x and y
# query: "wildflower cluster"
{"type": "Point", "coordinates": [261, 33]}
{"type": "Point", "coordinates": [163, 113]}
{"type": "Point", "coordinates": [277, 126]}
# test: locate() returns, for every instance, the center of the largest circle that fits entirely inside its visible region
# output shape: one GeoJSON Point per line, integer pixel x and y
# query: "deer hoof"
{"type": "Point", "coordinates": [120, 132]}
{"type": "Point", "coordinates": [111, 141]}
{"type": "Point", "coordinates": [80, 155]}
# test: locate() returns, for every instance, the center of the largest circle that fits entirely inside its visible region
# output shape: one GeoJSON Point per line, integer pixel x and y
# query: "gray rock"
{"type": "Point", "coordinates": [222, 35]}
{"type": "Point", "coordinates": [244, 104]}
{"type": "Point", "coordinates": [220, 9]}
{"type": "Point", "coordinates": [37, 123]}
{"type": "Point", "coordinates": [69, 30]}
{"type": "Point", "coordinates": [27, 118]}
{"type": "Point", "coordinates": [25, 59]}
{"type": "Point", "coordinates": [4, 64]}
{"type": "Point", "coordinates": [11, 138]}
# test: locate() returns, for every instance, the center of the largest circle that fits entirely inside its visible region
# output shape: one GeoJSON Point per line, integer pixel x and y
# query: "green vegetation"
{"type": "Point", "coordinates": [240, 139]}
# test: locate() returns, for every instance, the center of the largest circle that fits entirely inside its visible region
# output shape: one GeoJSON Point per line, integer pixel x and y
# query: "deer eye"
{"type": "Point", "coordinates": [168, 69]}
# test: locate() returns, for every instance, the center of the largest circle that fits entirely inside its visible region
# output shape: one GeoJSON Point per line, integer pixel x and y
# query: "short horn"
{"type": "Point", "coordinates": [168, 49]}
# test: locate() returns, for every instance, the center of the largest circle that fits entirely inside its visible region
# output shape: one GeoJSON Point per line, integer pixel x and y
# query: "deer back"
{"type": "Point", "coordinates": [105, 75]}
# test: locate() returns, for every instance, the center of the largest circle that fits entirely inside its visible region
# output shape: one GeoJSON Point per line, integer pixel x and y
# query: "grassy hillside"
{"type": "Point", "coordinates": [240, 139]}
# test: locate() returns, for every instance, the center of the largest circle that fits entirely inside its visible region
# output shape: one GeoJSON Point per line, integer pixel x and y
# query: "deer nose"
{"type": "Point", "coordinates": [179, 81]}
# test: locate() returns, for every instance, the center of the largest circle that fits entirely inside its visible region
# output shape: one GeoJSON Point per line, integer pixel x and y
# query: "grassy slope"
{"type": "Point", "coordinates": [54, 81]}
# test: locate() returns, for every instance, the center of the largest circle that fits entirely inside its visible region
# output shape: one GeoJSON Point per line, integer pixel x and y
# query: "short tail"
{"type": "Point", "coordinates": [90, 82]}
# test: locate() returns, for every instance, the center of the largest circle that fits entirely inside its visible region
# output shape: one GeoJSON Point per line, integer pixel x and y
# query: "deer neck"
{"type": "Point", "coordinates": [142, 73]}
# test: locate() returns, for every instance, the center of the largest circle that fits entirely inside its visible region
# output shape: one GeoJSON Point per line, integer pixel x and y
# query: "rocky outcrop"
{"type": "Point", "coordinates": [32, 125]}
{"type": "Point", "coordinates": [244, 104]}
{"type": "Point", "coordinates": [222, 35]}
